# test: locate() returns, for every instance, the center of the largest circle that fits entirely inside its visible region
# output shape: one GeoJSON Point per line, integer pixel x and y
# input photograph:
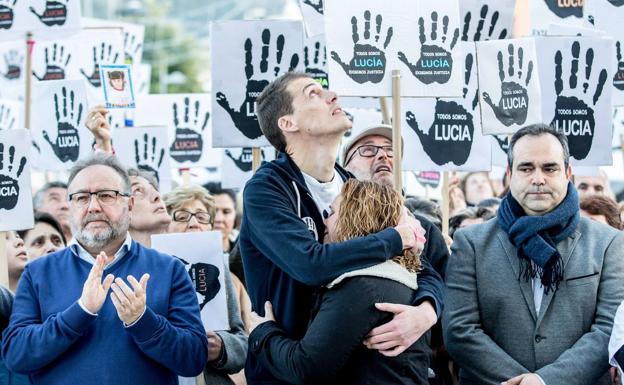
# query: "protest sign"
{"type": "Point", "coordinates": [47, 19]}
{"type": "Point", "coordinates": [312, 11]}
{"type": "Point", "coordinates": [486, 19]}
{"type": "Point", "coordinates": [12, 55]}
{"type": "Point", "coordinates": [10, 114]}
{"type": "Point", "coordinates": [315, 59]}
{"type": "Point", "coordinates": [16, 209]}
{"type": "Point", "coordinates": [542, 13]}
{"type": "Point", "coordinates": [236, 165]}
{"type": "Point", "coordinates": [117, 86]}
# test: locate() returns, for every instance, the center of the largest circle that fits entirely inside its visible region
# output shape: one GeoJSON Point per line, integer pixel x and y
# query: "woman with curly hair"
{"type": "Point", "coordinates": [332, 350]}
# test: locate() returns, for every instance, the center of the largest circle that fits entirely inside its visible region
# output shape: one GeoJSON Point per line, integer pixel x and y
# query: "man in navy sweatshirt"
{"type": "Point", "coordinates": [66, 330]}
{"type": "Point", "coordinates": [282, 229]}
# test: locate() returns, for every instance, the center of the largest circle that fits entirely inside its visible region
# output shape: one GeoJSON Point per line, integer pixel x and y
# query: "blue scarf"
{"type": "Point", "coordinates": [536, 237]}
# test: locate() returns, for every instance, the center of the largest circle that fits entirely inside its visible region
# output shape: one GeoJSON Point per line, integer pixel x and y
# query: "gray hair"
{"type": "Point", "coordinates": [100, 159]}
{"type": "Point", "coordinates": [39, 195]}
{"type": "Point", "coordinates": [537, 130]}
{"type": "Point", "coordinates": [148, 176]}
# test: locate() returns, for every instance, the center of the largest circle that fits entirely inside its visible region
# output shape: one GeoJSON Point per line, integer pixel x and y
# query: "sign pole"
{"type": "Point", "coordinates": [256, 158]}
{"type": "Point", "coordinates": [445, 203]}
{"type": "Point", "coordinates": [28, 79]}
{"type": "Point", "coordinates": [396, 129]}
{"type": "Point", "coordinates": [383, 103]}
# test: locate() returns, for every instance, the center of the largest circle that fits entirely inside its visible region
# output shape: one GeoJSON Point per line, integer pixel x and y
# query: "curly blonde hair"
{"type": "Point", "coordinates": [369, 207]}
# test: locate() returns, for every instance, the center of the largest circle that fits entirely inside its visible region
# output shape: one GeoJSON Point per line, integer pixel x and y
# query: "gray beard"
{"type": "Point", "coordinates": [101, 239]}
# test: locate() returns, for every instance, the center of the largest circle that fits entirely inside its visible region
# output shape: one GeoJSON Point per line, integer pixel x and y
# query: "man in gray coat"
{"type": "Point", "coordinates": [531, 294]}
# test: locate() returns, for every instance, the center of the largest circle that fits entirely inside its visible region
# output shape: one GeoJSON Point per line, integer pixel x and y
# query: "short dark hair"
{"type": "Point", "coordinates": [274, 102]}
{"type": "Point", "coordinates": [38, 198]}
{"type": "Point", "coordinates": [45, 218]}
{"type": "Point", "coordinates": [469, 213]}
{"type": "Point", "coordinates": [537, 130]}
{"type": "Point", "coordinates": [99, 159]}
{"type": "Point", "coordinates": [222, 191]}
{"type": "Point", "coordinates": [425, 208]}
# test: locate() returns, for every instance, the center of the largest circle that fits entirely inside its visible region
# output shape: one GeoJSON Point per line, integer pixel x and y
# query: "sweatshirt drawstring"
{"type": "Point", "coordinates": [298, 199]}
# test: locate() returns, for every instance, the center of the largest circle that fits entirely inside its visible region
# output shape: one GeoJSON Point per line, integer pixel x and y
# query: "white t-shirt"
{"type": "Point", "coordinates": [324, 194]}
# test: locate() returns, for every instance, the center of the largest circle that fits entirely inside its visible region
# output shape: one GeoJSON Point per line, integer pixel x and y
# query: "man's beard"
{"type": "Point", "coordinates": [101, 238]}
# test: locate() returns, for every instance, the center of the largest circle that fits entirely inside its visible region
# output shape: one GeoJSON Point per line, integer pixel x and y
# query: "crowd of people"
{"type": "Point", "coordinates": [332, 276]}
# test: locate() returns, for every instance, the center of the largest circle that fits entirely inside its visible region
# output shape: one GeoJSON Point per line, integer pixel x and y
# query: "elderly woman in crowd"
{"type": "Point", "coordinates": [44, 238]}
{"type": "Point", "coordinates": [602, 209]}
{"type": "Point", "coordinates": [193, 209]}
{"type": "Point", "coordinates": [332, 352]}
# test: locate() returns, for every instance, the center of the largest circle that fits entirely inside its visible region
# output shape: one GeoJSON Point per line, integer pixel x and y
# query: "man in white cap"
{"type": "Point", "coordinates": [369, 154]}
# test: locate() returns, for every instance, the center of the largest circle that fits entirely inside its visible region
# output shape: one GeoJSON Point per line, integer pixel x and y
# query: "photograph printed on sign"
{"type": "Point", "coordinates": [576, 97]}
{"type": "Point", "coordinates": [206, 268]}
{"type": "Point", "coordinates": [146, 149]}
{"type": "Point", "coordinates": [260, 51]}
{"type": "Point", "coordinates": [47, 19]}
{"type": "Point", "coordinates": [445, 134]}
{"type": "Point", "coordinates": [117, 86]}
{"type": "Point", "coordinates": [486, 19]}
{"type": "Point", "coordinates": [312, 12]}
{"type": "Point", "coordinates": [370, 38]}
{"type": "Point", "coordinates": [606, 16]}
{"type": "Point", "coordinates": [187, 117]}
{"type": "Point", "coordinates": [236, 165]}
{"type": "Point", "coordinates": [16, 208]}
{"type": "Point", "coordinates": [510, 100]}
{"type": "Point", "coordinates": [315, 59]}
{"type": "Point", "coordinates": [10, 114]}
{"type": "Point", "coordinates": [542, 13]}
{"type": "Point", "coordinates": [59, 134]}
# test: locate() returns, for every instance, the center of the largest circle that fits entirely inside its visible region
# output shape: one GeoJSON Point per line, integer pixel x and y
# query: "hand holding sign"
{"type": "Point", "coordinates": [9, 174]}
{"type": "Point", "coordinates": [67, 144]}
{"type": "Point", "coordinates": [368, 63]}
{"type": "Point", "coordinates": [245, 118]}
{"type": "Point", "coordinates": [188, 143]}
{"type": "Point", "coordinates": [573, 115]}
{"type": "Point", "coordinates": [513, 105]}
{"type": "Point", "coordinates": [55, 64]}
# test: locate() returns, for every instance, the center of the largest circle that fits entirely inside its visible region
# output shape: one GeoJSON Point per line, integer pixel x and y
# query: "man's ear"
{"type": "Point", "coordinates": [569, 175]}
{"type": "Point", "coordinates": [508, 173]}
{"type": "Point", "coordinates": [287, 124]}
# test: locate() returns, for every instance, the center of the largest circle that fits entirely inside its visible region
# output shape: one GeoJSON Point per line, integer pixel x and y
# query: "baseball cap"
{"type": "Point", "coordinates": [384, 130]}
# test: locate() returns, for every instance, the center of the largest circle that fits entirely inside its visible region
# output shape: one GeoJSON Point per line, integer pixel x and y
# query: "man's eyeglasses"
{"type": "Point", "coordinates": [370, 150]}
{"type": "Point", "coordinates": [104, 197]}
{"type": "Point", "coordinates": [185, 216]}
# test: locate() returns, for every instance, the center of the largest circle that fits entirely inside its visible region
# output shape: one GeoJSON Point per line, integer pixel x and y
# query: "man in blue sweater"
{"type": "Point", "coordinates": [65, 330]}
{"type": "Point", "coordinates": [282, 229]}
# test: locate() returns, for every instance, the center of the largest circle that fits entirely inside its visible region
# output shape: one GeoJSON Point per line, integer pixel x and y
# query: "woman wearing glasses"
{"type": "Point", "coordinates": [193, 209]}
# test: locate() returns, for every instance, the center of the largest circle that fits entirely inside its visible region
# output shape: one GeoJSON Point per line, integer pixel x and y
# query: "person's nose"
{"type": "Point", "coordinates": [331, 97]}
{"type": "Point", "coordinates": [49, 247]}
{"type": "Point", "coordinates": [94, 205]}
{"type": "Point", "coordinates": [538, 178]}
{"type": "Point", "coordinates": [193, 223]}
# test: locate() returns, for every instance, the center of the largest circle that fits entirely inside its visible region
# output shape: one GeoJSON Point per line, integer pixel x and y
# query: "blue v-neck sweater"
{"type": "Point", "coordinates": [53, 340]}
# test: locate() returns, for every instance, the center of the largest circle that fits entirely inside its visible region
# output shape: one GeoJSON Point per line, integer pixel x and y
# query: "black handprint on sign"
{"type": "Point", "coordinates": [503, 142]}
{"type": "Point", "coordinates": [106, 56]}
{"type": "Point", "coordinates": [13, 60]}
{"type": "Point", "coordinates": [317, 5]}
{"type": "Point", "coordinates": [573, 116]}
{"type": "Point", "coordinates": [245, 119]}
{"type": "Point", "coordinates": [9, 175]}
{"type": "Point", "coordinates": [66, 147]}
{"type": "Point", "coordinates": [6, 13]}
{"type": "Point", "coordinates": [55, 13]}
{"type": "Point", "coordinates": [7, 117]}
{"type": "Point", "coordinates": [513, 105]}
{"type": "Point", "coordinates": [435, 63]}
{"type": "Point", "coordinates": [205, 278]}
{"type": "Point", "coordinates": [245, 161]}
{"type": "Point", "coordinates": [132, 46]}
{"type": "Point", "coordinates": [149, 162]}
{"type": "Point", "coordinates": [369, 59]}
{"type": "Point", "coordinates": [316, 68]}
{"type": "Point", "coordinates": [616, 3]}
{"type": "Point", "coordinates": [478, 35]}
{"type": "Point", "coordinates": [618, 78]}
{"type": "Point", "coordinates": [188, 143]}
{"type": "Point", "coordinates": [450, 136]}
{"type": "Point", "coordinates": [55, 64]}
{"type": "Point", "coordinates": [565, 8]}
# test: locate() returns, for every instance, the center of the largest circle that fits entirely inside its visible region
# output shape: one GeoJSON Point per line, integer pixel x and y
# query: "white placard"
{"type": "Point", "coordinates": [47, 19]}
{"type": "Point", "coordinates": [370, 38]}
{"type": "Point", "coordinates": [315, 59]}
{"type": "Point", "coordinates": [362, 118]}
{"type": "Point", "coordinates": [146, 149]}
{"type": "Point", "coordinates": [260, 51]}
{"type": "Point", "coordinates": [16, 210]}
{"type": "Point", "coordinates": [10, 115]}
{"type": "Point", "coordinates": [12, 67]}
{"type": "Point", "coordinates": [117, 86]}
{"type": "Point", "coordinates": [576, 97]}
{"type": "Point", "coordinates": [509, 85]}
{"type": "Point", "coordinates": [143, 79]}
{"type": "Point", "coordinates": [312, 11]}
{"type": "Point", "coordinates": [202, 255]}
{"type": "Point", "coordinates": [542, 13]}
{"type": "Point", "coordinates": [606, 15]}
{"type": "Point", "coordinates": [486, 19]}
{"type": "Point", "coordinates": [134, 35]}
{"type": "Point", "coordinates": [500, 145]}
{"type": "Point", "coordinates": [58, 124]}
{"type": "Point", "coordinates": [187, 117]}
{"type": "Point", "coordinates": [236, 167]}
{"type": "Point", "coordinates": [445, 134]}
